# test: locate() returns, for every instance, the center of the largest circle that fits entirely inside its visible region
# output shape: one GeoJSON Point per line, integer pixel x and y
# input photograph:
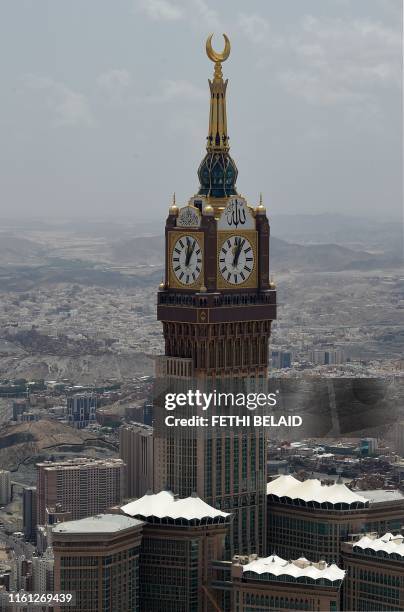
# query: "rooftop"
{"type": "Point", "coordinates": [134, 426]}
{"type": "Point", "coordinates": [312, 490]}
{"type": "Point", "coordinates": [102, 523]}
{"type": "Point", "coordinates": [166, 505]}
{"type": "Point", "coordinates": [81, 462]}
{"type": "Point", "coordinates": [383, 495]}
{"type": "Point", "coordinates": [389, 543]}
{"type": "Point", "coordinates": [297, 569]}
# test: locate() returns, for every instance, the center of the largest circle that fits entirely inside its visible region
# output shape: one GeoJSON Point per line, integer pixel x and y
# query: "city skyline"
{"type": "Point", "coordinates": [283, 488]}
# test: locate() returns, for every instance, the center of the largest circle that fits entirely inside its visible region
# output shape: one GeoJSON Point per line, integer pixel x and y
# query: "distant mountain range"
{"type": "Point", "coordinates": [86, 252]}
{"type": "Point", "coordinates": [284, 256]}
{"type": "Point", "coordinates": [358, 233]}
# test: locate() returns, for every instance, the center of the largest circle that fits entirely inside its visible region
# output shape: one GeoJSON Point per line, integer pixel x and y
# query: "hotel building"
{"type": "Point", "coordinates": [136, 450]}
{"type": "Point", "coordinates": [81, 410]}
{"type": "Point", "coordinates": [29, 508]}
{"type": "Point", "coordinates": [97, 559]}
{"type": "Point", "coordinates": [81, 486]}
{"type": "Point", "coordinates": [181, 538]}
{"type": "Point", "coordinates": [316, 518]}
{"type": "Point", "coordinates": [273, 583]}
{"type": "Point", "coordinates": [375, 573]}
{"type": "Point", "coordinates": [5, 487]}
{"type": "Point", "coordinates": [216, 305]}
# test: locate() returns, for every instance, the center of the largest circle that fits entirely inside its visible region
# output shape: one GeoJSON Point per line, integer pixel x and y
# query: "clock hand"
{"type": "Point", "coordinates": [190, 251]}
{"type": "Point", "coordinates": [187, 256]}
{"type": "Point", "coordinates": [237, 252]}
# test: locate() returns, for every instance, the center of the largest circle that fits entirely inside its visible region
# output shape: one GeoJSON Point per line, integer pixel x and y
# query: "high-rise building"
{"type": "Point", "coordinates": [81, 486]}
{"type": "Point", "coordinates": [97, 558]}
{"type": "Point", "coordinates": [400, 438]}
{"type": "Point", "coordinates": [43, 572]}
{"type": "Point", "coordinates": [136, 450]}
{"type": "Point", "coordinates": [29, 508]}
{"type": "Point", "coordinates": [23, 573]}
{"type": "Point", "coordinates": [327, 356]}
{"type": "Point", "coordinates": [148, 413]}
{"type": "Point", "coordinates": [375, 572]}
{"type": "Point", "coordinates": [81, 409]}
{"type": "Point", "coordinates": [281, 359]}
{"type": "Point", "coordinates": [277, 584]}
{"type": "Point", "coordinates": [5, 487]}
{"type": "Point", "coordinates": [8, 570]}
{"type": "Point", "coordinates": [181, 538]}
{"type": "Point", "coordinates": [315, 518]}
{"type": "Point", "coordinates": [217, 305]}
{"type": "Point", "coordinates": [368, 446]}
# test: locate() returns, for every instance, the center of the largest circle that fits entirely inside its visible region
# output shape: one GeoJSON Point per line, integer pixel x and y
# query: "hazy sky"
{"type": "Point", "coordinates": [104, 104]}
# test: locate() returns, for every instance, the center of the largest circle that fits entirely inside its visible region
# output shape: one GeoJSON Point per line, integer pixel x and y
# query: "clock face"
{"type": "Point", "coordinates": [236, 259]}
{"type": "Point", "coordinates": [186, 260]}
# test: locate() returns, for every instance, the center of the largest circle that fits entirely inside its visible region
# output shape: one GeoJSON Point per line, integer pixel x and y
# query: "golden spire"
{"type": "Point", "coordinates": [173, 208]}
{"type": "Point", "coordinates": [261, 208]}
{"type": "Point", "coordinates": [217, 137]}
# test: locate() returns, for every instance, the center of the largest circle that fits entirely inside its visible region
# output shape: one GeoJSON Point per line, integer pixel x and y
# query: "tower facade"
{"type": "Point", "coordinates": [216, 304]}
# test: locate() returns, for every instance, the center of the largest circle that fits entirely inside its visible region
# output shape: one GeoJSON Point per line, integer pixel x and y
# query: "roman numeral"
{"type": "Point", "coordinates": [177, 268]}
{"type": "Point", "coordinates": [187, 280]}
{"type": "Point", "coordinates": [229, 244]}
{"type": "Point", "coordinates": [224, 251]}
{"type": "Point", "coordinates": [176, 258]}
{"type": "Point", "coordinates": [235, 278]}
{"type": "Point", "coordinates": [193, 275]}
{"type": "Point", "coordinates": [181, 243]}
{"type": "Point", "coordinates": [222, 260]}
{"type": "Point", "coordinates": [224, 269]}
{"type": "Point", "coordinates": [198, 251]}
{"type": "Point", "coordinates": [177, 251]}
{"type": "Point", "coordinates": [198, 269]}
{"type": "Point", "coordinates": [199, 260]}
{"type": "Point", "coordinates": [242, 275]}
{"type": "Point", "coordinates": [228, 276]}
{"type": "Point", "coordinates": [247, 268]}
{"type": "Point", "coordinates": [249, 258]}
{"type": "Point", "coordinates": [247, 250]}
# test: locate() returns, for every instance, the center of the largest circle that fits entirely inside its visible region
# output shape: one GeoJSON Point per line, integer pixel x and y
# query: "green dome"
{"type": "Point", "coordinates": [217, 175]}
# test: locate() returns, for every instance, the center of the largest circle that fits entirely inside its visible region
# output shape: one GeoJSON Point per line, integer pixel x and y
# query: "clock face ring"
{"type": "Point", "coordinates": [236, 259]}
{"type": "Point", "coordinates": [186, 260]}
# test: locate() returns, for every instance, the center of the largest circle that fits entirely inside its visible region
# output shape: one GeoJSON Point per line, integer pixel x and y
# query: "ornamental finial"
{"type": "Point", "coordinates": [173, 210]}
{"type": "Point", "coordinates": [261, 208]}
{"type": "Point", "coordinates": [214, 55]}
{"type": "Point", "coordinates": [217, 137]}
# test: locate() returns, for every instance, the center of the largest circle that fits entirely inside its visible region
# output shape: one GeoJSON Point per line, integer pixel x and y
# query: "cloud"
{"type": "Point", "coordinates": [196, 12]}
{"type": "Point", "coordinates": [160, 10]}
{"type": "Point", "coordinates": [254, 27]}
{"type": "Point", "coordinates": [174, 90]}
{"type": "Point", "coordinates": [330, 61]}
{"type": "Point", "coordinates": [68, 107]}
{"type": "Point", "coordinates": [206, 16]}
{"type": "Point", "coordinates": [115, 84]}
{"type": "Point", "coordinates": [343, 61]}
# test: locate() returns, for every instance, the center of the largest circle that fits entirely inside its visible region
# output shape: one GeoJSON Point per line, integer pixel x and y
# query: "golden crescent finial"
{"type": "Point", "coordinates": [213, 55]}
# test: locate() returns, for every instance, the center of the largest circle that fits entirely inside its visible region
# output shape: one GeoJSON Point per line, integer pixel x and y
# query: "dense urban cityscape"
{"type": "Point", "coordinates": [104, 507]}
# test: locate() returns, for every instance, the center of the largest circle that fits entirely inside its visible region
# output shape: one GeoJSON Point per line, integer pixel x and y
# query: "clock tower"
{"type": "Point", "coordinates": [216, 304]}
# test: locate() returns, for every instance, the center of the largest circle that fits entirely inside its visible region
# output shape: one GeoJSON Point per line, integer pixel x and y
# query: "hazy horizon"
{"type": "Point", "coordinates": [105, 106]}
